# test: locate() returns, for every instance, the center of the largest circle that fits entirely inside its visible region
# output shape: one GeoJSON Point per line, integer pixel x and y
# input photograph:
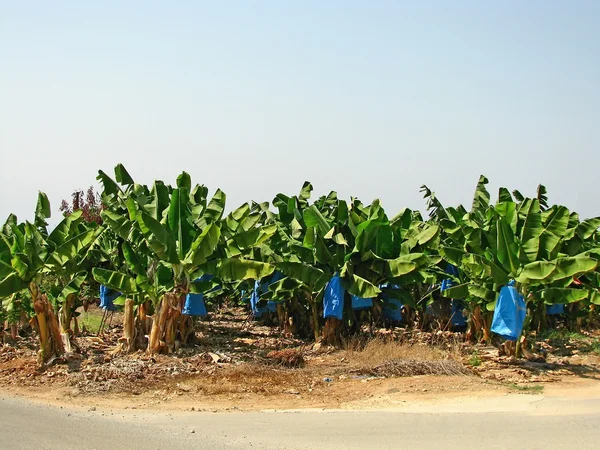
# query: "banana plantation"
{"type": "Point", "coordinates": [322, 269]}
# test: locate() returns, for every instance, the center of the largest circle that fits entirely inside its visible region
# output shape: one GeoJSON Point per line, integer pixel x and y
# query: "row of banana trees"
{"type": "Point", "coordinates": [550, 253]}
{"type": "Point", "coordinates": [158, 243]}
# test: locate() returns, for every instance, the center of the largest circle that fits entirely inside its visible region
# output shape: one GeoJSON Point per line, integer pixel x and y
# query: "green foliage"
{"type": "Point", "coordinates": [90, 322]}
{"type": "Point", "coordinates": [159, 238]}
{"type": "Point", "coordinates": [475, 360]}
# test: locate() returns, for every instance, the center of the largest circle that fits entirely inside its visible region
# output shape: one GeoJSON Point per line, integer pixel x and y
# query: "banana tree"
{"type": "Point", "coordinates": [69, 263]}
{"type": "Point", "coordinates": [24, 250]}
{"type": "Point", "coordinates": [34, 254]}
{"type": "Point", "coordinates": [180, 230]}
{"type": "Point", "coordinates": [464, 231]}
{"type": "Point", "coordinates": [316, 241]}
{"type": "Point", "coordinates": [518, 241]}
{"type": "Point", "coordinates": [15, 311]}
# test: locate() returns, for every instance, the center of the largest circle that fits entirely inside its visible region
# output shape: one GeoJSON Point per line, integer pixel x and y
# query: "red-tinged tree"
{"type": "Point", "coordinates": [89, 203]}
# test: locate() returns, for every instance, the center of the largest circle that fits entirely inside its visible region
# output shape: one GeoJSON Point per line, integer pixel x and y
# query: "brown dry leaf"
{"type": "Point", "coordinates": [246, 341]}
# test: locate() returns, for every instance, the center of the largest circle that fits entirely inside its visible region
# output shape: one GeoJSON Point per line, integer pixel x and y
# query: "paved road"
{"type": "Point", "coordinates": [530, 422]}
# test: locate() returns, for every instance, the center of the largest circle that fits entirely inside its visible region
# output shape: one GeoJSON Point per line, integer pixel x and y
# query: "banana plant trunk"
{"type": "Point", "coordinates": [142, 326]}
{"type": "Point", "coordinates": [187, 329]}
{"type": "Point", "coordinates": [332, 332]}
{"type": "Point", "coordinates": [282, 317]}
{"type": "Point", "coordinates": [46, 325]}
{"type": "Point", "coordinates": [487, 327]}
{"type": "Point", "coordinates": [14, 331]}
{"type": "Point", "coordinates": [477, 325]}
{"type": "Point", "coordinates": [164, 326]}
{"type": "Point", "coordinates": [144, 319]}
{"type": "Point", "coordinates": [590, 318]}
{"type": "Point", "coordinates": [315, 318]}
{"type": "Point", "coordinates": [542, 324]}
{"type": "Point", "coordinates": [127, 344]}
{"type": "Point", "coordinates": [171, 327]}
{"type": "Point", "coordinates": [65, 318]}
{"type": "Point", "coordinates": [410, 323]}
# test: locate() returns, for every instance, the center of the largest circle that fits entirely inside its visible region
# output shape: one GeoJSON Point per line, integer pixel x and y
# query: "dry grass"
{"type": "Point", "coordinates": [377, 351]}
{"type": "Point", "coordinates": [391, 358]}
{"type": "Point", "coordinates": [288, 357]}
{"type": "Point", "coordinates": [412, 367]}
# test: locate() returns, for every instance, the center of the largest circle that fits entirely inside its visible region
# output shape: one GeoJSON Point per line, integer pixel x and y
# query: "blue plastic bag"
{"type": "Point", "coordinates": [205, 278]}
{"type": "Point", "coordinates": [262, 288]}
{"type": "Point", "coordinates": [194, 305]}
{"type": "Point", "coordinates": [257, 311]}
{"type": "Point", "coordinates": [392, 309]}
{"type": "Point", "coordinates": [452, 270]}
{"type": "Point", "coordinates": [359, 303]}
{"type": "Point", "coordinates": [446, 284]}
{"type": "Point", "coordinates": [457, 306]}
{"type": "Point", "coordinates": [272, 305]}
{"type": "Point", "coordinates": [554, 310]}
{"type": "Point", "coordinates": [430, 307]}
{"type": "Point", "coordinates": [509, 314]}
{"type": "Point", "coordinates": [333, 302]}
{"type": "Point", "coordinates": [387, 285]}
{"type": "Point", "coordinates": [457, 319]}
{"type": "Point", "coordinates": [107, 298]}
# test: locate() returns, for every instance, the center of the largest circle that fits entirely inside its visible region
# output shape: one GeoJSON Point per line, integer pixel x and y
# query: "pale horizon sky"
{"type": "Point", "coordinates": [371, 99]}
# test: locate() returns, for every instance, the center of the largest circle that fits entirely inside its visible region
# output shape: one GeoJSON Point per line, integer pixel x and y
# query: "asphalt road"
{"type": "Point", "coordinates": [516, 422]}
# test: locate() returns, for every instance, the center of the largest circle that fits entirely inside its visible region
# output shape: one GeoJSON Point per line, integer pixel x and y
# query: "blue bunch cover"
{"type": "Point", "coordinates": [553, 310]}
{"type": "Point", "coordinates": [446, 284]}
{"type": "Point", "coordinates": [509, 314]}
{"type": "Point", "coordinates": [261, 288]}
{"type": "Point", "coordinates": [429, 309]}
{"type": "Point", "coordinates": [359, 303]}
{"type": "Point", "coordinates": [457, 306]}
{"type": "Point", "coordinates": [457, 318]}
{"type": "Point", "coordinates": [194, 305]}
{"type": "Point", "coordinates": [107, 298]}
{"type": "Point", "coordinates": [272, 305]}
{"type": "Point", "coordinates": [205, 277]}
{"type": "Point", "coordinates": [264, 287]}
{"type": "Point", "coordinates": [392, 308]}
{"type": "Point", "coordinates": [333, 303]}
{"type": "Point", "coordinates": [452, 270]}
{"type": "Point", "coordinates": [257, 311]}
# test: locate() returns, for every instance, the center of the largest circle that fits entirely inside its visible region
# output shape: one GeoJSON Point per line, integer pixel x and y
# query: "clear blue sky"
{"type": "Point", "coordinates": [371, 99]}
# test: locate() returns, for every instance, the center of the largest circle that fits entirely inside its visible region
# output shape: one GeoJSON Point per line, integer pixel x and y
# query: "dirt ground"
{"type": "Point", "coordinates": [240, 364]}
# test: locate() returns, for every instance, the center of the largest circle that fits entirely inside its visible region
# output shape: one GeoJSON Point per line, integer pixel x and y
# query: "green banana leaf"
{"type": "Point", "coordinates": [115, 280]}
{"type": "Point", "coordinates": [203, 246]}
{"type": "Point", "coordinates": [563, 295]}
{"type": "Point", "coordinates": [311, 276]}
{"type": "Point", "coordinates": [73, 286]}
{"type": "Point", "coordinates": [159, 238]}
{"type": "Point", "coordinates": [11, 284]}
{"type": "Point", "coordinates": [236, 269]}
{"type": "Point", "coordinates": [362, 287]}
